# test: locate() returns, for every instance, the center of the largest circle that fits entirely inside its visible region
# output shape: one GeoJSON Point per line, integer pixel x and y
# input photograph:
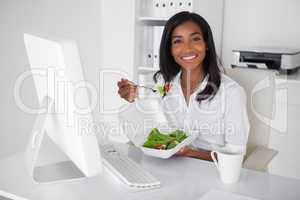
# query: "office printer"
{"type": "Point", "coordinates": [283, 60]}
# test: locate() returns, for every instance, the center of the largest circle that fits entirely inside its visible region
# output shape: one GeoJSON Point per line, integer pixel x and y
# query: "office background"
{"type": "Point", "coordinates": [105, 34]}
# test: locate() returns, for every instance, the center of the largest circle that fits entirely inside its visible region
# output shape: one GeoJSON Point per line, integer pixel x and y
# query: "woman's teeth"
{"type": "Point", "coordinates": [188, 57]}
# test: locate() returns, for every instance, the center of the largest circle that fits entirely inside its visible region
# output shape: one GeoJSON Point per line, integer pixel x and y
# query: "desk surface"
{"type": "Point", "coordinates": [182, 178]}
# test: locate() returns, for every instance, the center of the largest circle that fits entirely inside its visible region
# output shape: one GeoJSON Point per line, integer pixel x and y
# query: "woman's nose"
{"type": "Point", "coordinates": [187, 46]}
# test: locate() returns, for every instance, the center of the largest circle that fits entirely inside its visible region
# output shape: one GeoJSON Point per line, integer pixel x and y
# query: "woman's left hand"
{"type": "Point", "coordinates": [183, 151]}
{"type": "Point", "coordinates": [188, 152]}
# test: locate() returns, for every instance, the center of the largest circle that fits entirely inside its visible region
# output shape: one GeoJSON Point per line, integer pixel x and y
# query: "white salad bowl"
{"type": "Point", "coordinates": [167, 153]}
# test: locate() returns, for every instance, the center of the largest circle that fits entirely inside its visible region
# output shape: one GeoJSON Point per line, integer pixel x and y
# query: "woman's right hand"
{"type": "Point", "coordinates": [127, 90]}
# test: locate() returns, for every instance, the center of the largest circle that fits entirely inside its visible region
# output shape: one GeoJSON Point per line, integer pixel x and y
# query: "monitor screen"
{"type": "Point", "coordinates": [58, 76]}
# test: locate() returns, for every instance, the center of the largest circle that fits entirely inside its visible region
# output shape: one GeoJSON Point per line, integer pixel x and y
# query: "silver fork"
{"type": "Point", "coordinates": [142, 86]}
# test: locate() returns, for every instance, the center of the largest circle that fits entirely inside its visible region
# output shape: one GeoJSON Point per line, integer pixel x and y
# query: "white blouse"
{"type": "Point", "coordinates": [219, 124]}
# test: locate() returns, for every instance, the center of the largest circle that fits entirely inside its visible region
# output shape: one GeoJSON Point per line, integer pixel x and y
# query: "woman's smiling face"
{"type": "Point", "coordinates": [188, 46]}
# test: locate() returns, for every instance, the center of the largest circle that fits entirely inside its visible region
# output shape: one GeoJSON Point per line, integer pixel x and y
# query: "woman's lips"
{"type": "Point", "coordinates": [189, 57]}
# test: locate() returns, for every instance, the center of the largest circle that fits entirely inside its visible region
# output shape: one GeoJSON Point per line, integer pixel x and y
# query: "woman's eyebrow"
{"type": "Point", "coordinates": [192, 34]}
{"type": "Point", "coordinates": [196, 33]}
{"type": "Point", "coordinates": [176, 36]}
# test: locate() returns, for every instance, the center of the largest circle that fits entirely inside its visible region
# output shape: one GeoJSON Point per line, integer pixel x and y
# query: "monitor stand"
{"type": "Point", "coordinates": [45, 160]}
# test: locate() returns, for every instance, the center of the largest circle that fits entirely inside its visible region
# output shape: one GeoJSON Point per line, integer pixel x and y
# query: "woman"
{"type": "Point", "coordinates": [199, 97]}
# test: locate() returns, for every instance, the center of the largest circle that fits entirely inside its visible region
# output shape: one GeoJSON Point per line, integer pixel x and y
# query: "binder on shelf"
{"type": "Point", "coordinates": [146, 80]}
{"type": "Point", "coordinates": [159, 8]}
{"type": "Point", "coordinates": [171, 8]}
{"type": "Point", "coordinates": [156, 8]}
{"type": "Point", "coordinates": [179, 6]}
{"type": "Point", "coordinates": [157, 34]}
{"type": "Point", "coordinates": [188, 5]}
{"type": "Point", "coordinates": [164, 9]}
{"type": "Point", "coordinates": [141, 81]}
{"type": "Point", "coordinates": [148, 41]}
{"type": "Point", "coordinates": [147, 8]}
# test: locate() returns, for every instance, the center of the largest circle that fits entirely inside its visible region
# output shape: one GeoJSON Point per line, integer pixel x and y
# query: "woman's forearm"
{"type": "Point", "coordinates": [200, 154]}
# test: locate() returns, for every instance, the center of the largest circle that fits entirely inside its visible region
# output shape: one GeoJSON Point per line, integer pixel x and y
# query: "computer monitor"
{"type": "Point", "coordinates": [64, 111]}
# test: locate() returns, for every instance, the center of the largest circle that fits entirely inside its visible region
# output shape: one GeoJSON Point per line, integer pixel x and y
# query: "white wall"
{"type": "Point", "coordinates": [102, 42]}
{"type": "Point", "coordinates": [271, 23]}
{"type": "Point", "coordinates": [117, 37]}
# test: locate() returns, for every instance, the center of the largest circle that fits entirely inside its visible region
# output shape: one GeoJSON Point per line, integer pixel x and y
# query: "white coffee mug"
{"type": "Point", "coordinates": [229, 165]}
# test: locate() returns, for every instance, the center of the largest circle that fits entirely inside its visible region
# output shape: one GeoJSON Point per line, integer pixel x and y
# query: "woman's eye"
{"type": "Point", "coordinates": [197, 38]}
{"type": "Point", "coordinates": [176, 41]}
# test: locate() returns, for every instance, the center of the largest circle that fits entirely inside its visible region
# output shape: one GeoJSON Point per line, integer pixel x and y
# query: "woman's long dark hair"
{"type": "Point", "coordinates": [169, 68]}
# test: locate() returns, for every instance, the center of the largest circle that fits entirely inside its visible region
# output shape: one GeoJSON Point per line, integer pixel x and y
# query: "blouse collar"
{"type": "Point", "coordinates": [201, 86]}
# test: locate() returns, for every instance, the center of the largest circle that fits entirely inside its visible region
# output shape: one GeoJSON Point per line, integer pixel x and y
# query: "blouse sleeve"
{"type": "Point", "coordinates": [236, 117]}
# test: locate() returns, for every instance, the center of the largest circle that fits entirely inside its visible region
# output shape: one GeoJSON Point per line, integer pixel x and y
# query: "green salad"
{"type": "Point", "coordinates": [157, 140]}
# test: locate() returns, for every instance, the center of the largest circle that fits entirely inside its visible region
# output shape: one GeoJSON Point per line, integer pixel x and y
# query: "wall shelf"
{"type": "Point", "coordinates": [146, 70]}
{"type": "Point", "coordinates": [153, 19]}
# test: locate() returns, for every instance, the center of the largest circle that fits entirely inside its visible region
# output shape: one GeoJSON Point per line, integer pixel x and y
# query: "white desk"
{"type": "Point", "coordinates": [182, 178]}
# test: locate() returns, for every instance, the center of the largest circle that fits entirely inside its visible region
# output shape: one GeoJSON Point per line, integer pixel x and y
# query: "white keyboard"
{"type": "Point", "coordinates": [126, 170]}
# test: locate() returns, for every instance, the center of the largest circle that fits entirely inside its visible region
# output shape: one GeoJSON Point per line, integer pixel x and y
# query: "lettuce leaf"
{"type": "Point", "coordinates": [158, 140]}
